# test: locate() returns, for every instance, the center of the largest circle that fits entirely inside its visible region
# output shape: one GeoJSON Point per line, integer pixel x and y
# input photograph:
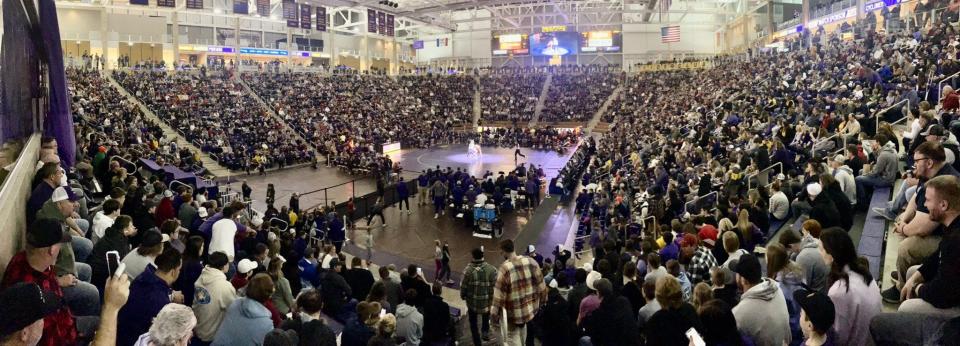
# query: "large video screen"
{"type": "Point", "coordinates": [515, 44]}
{"type": "Point", "coordinates": [601, 41]}
{"type": "Point", "coordinates": [554, 43]}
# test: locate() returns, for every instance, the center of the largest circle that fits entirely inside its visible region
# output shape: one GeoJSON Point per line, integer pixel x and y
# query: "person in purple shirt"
{"type": "Point", "coordinates": [671, 250]}
{"type": "Point", "coordinates": [532, 189]}
{"type": "Point", "coordinates": [49, 175]}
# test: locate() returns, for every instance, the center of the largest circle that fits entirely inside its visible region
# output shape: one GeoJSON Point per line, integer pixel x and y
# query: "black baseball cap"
{"type": "Point", "coordinates": [151, 238]}
{"type": "Point", "coordinates": [23, 304]}
{"type": "Point", "coordinates": [46, 232]}
{"type": "Point", "coordinates": [818, 307]}
{"type": "Point", "coordinates": [748, 266]}
{"type": "Point", "coordinates": [934, 129]}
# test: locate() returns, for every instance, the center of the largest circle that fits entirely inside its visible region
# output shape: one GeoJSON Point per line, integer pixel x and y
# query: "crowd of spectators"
{"type": "Point", "coordinates": [576, 95]}
{"type": "Point", "coordinates": [510, 94]}
{"type": "Point", "coordinates": [661, 193]}
{"type": "Point", "coordinates": [216, 114]}
{"type": "Point", "coordinates": [108, 122]}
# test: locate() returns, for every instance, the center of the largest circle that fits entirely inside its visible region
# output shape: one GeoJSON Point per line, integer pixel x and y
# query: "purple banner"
{"type": "Point", "coordinates": [417, 44]}
{"type": "Point", "coordinates": [263, 8]}
{"type": "Point", "coordinates": [382, 23]}
{"type": "Point", "coordinates": [140, 2]}
{"type": "Point", "coordinates": [390, 25]}
{"type": "Point", "coordinates": [195, 4]}
{"type": "Point", "coordinates": [322, 18]}
{"type": "Point", "coordinates": [290, 12]}
{"type": "Point", "coordinates": [371, 21]}
{"type": "Point", "coordinates": [306, 11]}
{"type": "Point", "coordinates": [241, 7]}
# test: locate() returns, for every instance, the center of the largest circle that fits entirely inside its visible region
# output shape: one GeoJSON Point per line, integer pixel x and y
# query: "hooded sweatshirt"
{"type": "Point", "coordinates": [844, 176]}
{"type": "Point", "coordinates": [245, 324]}
{"type": "Point", "coordinates": [409, 324]}
{"type": "Point", "coordinates": [212, 296]}
{"type": "Point", "coordinates": [886, 166]}
{"type": "Point", "coordinates": [762, 314]}
{"type": "Point", "coordinates": [810, 260]}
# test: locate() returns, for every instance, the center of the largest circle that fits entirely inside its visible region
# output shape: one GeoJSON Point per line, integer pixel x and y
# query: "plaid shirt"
{"type": "Point", "coordinates": [700, 264]}
{"type": "Point", "coordinates": [520, 289]}
{"type": "Point", "coordinates": [477, 286]}
{"type": "Point", "coordinates": [58, 328]}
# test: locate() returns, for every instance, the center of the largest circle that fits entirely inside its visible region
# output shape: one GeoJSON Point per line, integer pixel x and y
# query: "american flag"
{"type": "Point", "coordinates": [670, 34]}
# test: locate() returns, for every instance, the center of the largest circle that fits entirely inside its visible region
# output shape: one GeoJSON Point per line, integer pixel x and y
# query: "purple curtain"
{"type": "Point", "coordinates": [59, 122]}
{"type": "Point", "coordinates": [19, 72]}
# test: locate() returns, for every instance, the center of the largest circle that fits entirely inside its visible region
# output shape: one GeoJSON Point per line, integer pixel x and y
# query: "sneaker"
{"type": "Point", "coordinates": [450, 282]}
{"type": "Point", "coordinates": [436, 215]}
{"type": "Point", "coordinates": [884, 213]}
{"type": "Point", "coordinates": [895, 276]}
{"type": "Point", "coordinates": [891, 295]}
{"type": "Point", "coordinates": [486, 337]}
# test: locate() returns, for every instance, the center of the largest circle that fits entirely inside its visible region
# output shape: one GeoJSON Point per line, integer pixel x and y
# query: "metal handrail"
{"type": "Point", "coordinates": [170, 186]}
{"type": "Point", "coordinates": [813, 147]}
{"type": "Point", "coordinates": [876, 116]}
{"type": "Point", "coordinates": [286, 225]}
{"type": "Point", "coordinates": [126, 161]}
{"type": "Point", "coordinates": [940, 83]}
{"type": "Point", "coordinates": [686, 206]}
{"type": "Point", "coordinates": [643, 223]}
{"type": "Point", "coordinates": [749, 185]}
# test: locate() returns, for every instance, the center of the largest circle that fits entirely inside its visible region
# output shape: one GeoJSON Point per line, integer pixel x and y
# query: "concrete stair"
{"type": "Point", "coordinates": [603, 109]}
{"type": "Point", "coordinates": [477, 109]}
{"type": "Point", "coordinates": [209, 163]}
{"type": "Point", "coordinates": [265, 106]}
{"type": "Point", "coordinates": [541, 100]}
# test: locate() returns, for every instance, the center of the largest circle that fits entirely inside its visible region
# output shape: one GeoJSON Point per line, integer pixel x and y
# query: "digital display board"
{"type": "Point", "coordinates": [554, 43]}
{"type": "Point", "coordinates": [166, 3]}
{"type": "Point", "coordinates": [321, 18]}
{"type": "Point", "coordinates": [418, 44]}
{"type": "Point", "coordinates": [140, 2]}
{"type": "Point", "coordinates": [601, 41]}
{"type": "Point", "coordinates": [241, 7]}
{"type": "Point", "coordinates": [195, 4]}
{"type": "Point", "coordinates": [511, 44]}
{"type": "Point", "coordinates": [306, 12]}
{"type": "Point", "coordinates": [371, 21]}
{"type": "Point", "coordinates": [263, 8]}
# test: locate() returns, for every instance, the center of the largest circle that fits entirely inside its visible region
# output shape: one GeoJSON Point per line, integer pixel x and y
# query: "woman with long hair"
{"type": "Point", "coordinates": [749, 233]}
{"type": "Point", "coordinates": [852, 288]}
{"type": "Point", "coordinates": [282, 296]}
{"type": "Point", "coordinates": [789, 276]}
{"type": "Point", "coordinates": [722, 329]}
{"type": "Point", "coordinates": [191, 268]}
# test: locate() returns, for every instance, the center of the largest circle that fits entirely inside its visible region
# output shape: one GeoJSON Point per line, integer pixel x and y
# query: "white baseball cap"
{"type": "Point", "coordinates": [246, 265]}
{"type": "Point", "coordinates": [60, 194]}
{"type": "Point", "coordinates": [592, 278]}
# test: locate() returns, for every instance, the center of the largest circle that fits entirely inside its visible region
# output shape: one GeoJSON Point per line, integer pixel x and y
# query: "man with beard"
{"type": "Point", "coordinates": [922, 235]}
{"type": "Point", "coordinates": [930, 287]}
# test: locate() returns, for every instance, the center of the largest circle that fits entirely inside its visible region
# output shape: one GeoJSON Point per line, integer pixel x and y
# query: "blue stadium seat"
{"type": "Point", "coordinates": [874, 229]}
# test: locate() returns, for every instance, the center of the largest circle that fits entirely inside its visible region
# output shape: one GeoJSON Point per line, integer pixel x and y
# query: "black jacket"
{"type": "Point", "coordinates": [313, 333]}
{"type": "Point", "coordinates": [941, 271]}
{"type": "Point", "coordinates": [612, 323]}
{"type": "Point", "coordinates": [669, 326]}
{"type": "Point", "coordinates": [113, 240]}
{"type": "Point", "coordinates": [825, 211]}
{"type": "Point", "coordinates": [844, 207]}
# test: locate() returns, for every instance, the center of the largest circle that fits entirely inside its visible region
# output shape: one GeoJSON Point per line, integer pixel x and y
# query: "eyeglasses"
{"type": "Point", "coordinates": [916, 161]}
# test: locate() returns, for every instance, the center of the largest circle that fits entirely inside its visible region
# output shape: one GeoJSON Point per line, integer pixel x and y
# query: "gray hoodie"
{"type": "Point", "coordinates": [213, 294]}
{"type": "Point", "coordinates": [762, 314]}
{"type": "Point", "coordinates": [409, 324]}
{"type": "Point", "coordinates": [812, 263]}
{"type": "Point", "coordinates": [886, 166]}
{"type": "Point", "coordinates": [848, 184]}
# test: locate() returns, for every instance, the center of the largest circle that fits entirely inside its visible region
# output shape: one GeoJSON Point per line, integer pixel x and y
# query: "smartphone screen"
{"type": "Point", "coordinates": [113, 262]}
{"type": "Point", "coordinates": [694, 337]}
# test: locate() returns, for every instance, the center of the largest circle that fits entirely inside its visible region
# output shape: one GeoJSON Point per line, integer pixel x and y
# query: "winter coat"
{"type": "Point", "coordinates": [246, 323]}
